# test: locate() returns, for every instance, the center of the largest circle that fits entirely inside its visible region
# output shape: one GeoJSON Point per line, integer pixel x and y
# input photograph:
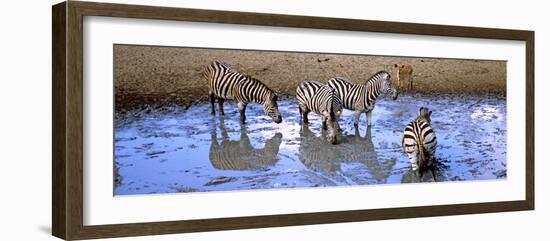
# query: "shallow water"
{"type": "Point", "coordinates": [188, 150]}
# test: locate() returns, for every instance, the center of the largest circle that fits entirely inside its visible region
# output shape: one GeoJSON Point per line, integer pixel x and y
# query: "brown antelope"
{"type": "Point", "coordinates": [404, 76]}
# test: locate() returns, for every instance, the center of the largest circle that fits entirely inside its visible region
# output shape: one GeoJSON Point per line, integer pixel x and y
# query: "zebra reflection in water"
{"type": "Point", "coordinates": [317, 154]}
{"type": "Point", "coordinates": [240, 154]}
{"type": "Point", "coordinates": [412, 176]}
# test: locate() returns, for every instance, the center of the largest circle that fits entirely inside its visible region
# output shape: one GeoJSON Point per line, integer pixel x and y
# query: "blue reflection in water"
{"type": "Point", "coordinates": [189, 150]}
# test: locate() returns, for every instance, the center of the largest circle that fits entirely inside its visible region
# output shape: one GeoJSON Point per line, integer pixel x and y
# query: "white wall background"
{"type": "Point", "coordinates": [25, 119]}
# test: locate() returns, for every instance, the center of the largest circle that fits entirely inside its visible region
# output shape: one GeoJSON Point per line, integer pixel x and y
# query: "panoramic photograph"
{"type": "Point", "coordinates": [201, 119]}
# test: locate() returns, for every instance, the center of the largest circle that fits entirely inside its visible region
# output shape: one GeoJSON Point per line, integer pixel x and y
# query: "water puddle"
{"type": "Point", "coordinates": [176, 149]}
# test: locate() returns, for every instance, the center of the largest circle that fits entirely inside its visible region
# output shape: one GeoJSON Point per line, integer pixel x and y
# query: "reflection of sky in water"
{"type": "Point", "coordinates": [487, 113]}
{"type": "Point", "coordinates": [190, 150]}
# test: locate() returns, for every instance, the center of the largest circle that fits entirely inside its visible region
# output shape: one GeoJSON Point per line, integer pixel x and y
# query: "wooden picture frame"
{"type": "Point", "coordinates": [67, 150]}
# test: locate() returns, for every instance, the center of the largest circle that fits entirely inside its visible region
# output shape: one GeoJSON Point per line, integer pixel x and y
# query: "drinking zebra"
{"type": "Point", "coordinates": [226, 83]}
{"type": "Point", "coordinates": [323, 100]}
{"type": "Point", "coordinates": [361, 98]}
{"type": "Point", "coordinates": [419, 141]}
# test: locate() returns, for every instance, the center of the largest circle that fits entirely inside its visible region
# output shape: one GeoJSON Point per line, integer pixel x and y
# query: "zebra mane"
{"type": "Point", "coordinates": [331, 107]}
{"type": "Point", "coordinates": [226, 65]}
{"type": "Point", "coordinates": [344, 78]}
{"type": "Point", "coordinates": [250, 78]}
{"type": "Point", "coordinates": [375, 76]}
{"type": "Point", "coordinates": [420, 117]}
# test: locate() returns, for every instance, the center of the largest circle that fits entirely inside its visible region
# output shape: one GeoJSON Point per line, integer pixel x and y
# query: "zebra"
{"type": "Point", "coordinates": [361, 98]}
{"type": "Point", "coordinates": [226, 83]}
{"type": "Point", "coordinates": [323, 100]}
{"type": "Point", "coordinates": [419, 142]}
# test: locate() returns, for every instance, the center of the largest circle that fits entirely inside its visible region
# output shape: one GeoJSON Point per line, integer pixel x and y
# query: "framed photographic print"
{"type": "Point", "coordinates": [170, 120]}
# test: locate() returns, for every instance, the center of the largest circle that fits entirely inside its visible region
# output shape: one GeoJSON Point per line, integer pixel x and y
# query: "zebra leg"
{"type": "Point", "coordinates": [220, 105]}
{"type": "Point", "coordinates": [356, 117]}
{"type": "Point", "coordinates": [304, 112]}
{"type": "Point", "coordinates": [212, 102]}
{"type": "Point", "coordinates": [242, 109]}
{"type": "Point", "coordinates": [413, 157]}
{"type": "Point", "coordinates": [369, 117]}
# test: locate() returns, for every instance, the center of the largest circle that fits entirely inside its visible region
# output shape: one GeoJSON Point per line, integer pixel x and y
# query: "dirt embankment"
{"type": "Point", "coordinates": [154, 75]}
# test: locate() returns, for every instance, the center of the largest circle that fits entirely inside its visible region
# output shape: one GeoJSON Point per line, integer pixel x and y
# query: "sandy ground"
{"type": "Point", "coordinates": [155, 75]}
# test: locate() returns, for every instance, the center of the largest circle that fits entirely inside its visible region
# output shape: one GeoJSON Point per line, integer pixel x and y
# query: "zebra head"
{"type": "Point", "coordinates": [271, 108]}
{"type": "Point", "coordinates": [387, 86]}
{"type": "Point", "coordinates": [332, 124]}
{"type": "Point", "coordinates": [425, 113]}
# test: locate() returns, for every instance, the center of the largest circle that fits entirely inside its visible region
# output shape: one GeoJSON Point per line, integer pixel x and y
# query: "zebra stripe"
{"type": "Point", "coordinates": [323, 100]}
{"type": "Point", "coordinates": [226, 83]}
{"type": "Point", "coordinates": [419, 141]}
{"type": "Point", "coordinates": [361, 98]}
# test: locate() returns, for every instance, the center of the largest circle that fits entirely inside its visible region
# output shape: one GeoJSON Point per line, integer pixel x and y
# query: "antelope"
{"type": "Point", "coordinates": [404, 76]}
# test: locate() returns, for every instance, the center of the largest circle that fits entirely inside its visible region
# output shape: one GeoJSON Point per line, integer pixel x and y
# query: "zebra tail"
{"type": "Point", "coordinates": [421, 157]}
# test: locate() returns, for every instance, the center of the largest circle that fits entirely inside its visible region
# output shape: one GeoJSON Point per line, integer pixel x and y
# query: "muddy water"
{"type": "Point", "coordinates": [175, 149]}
